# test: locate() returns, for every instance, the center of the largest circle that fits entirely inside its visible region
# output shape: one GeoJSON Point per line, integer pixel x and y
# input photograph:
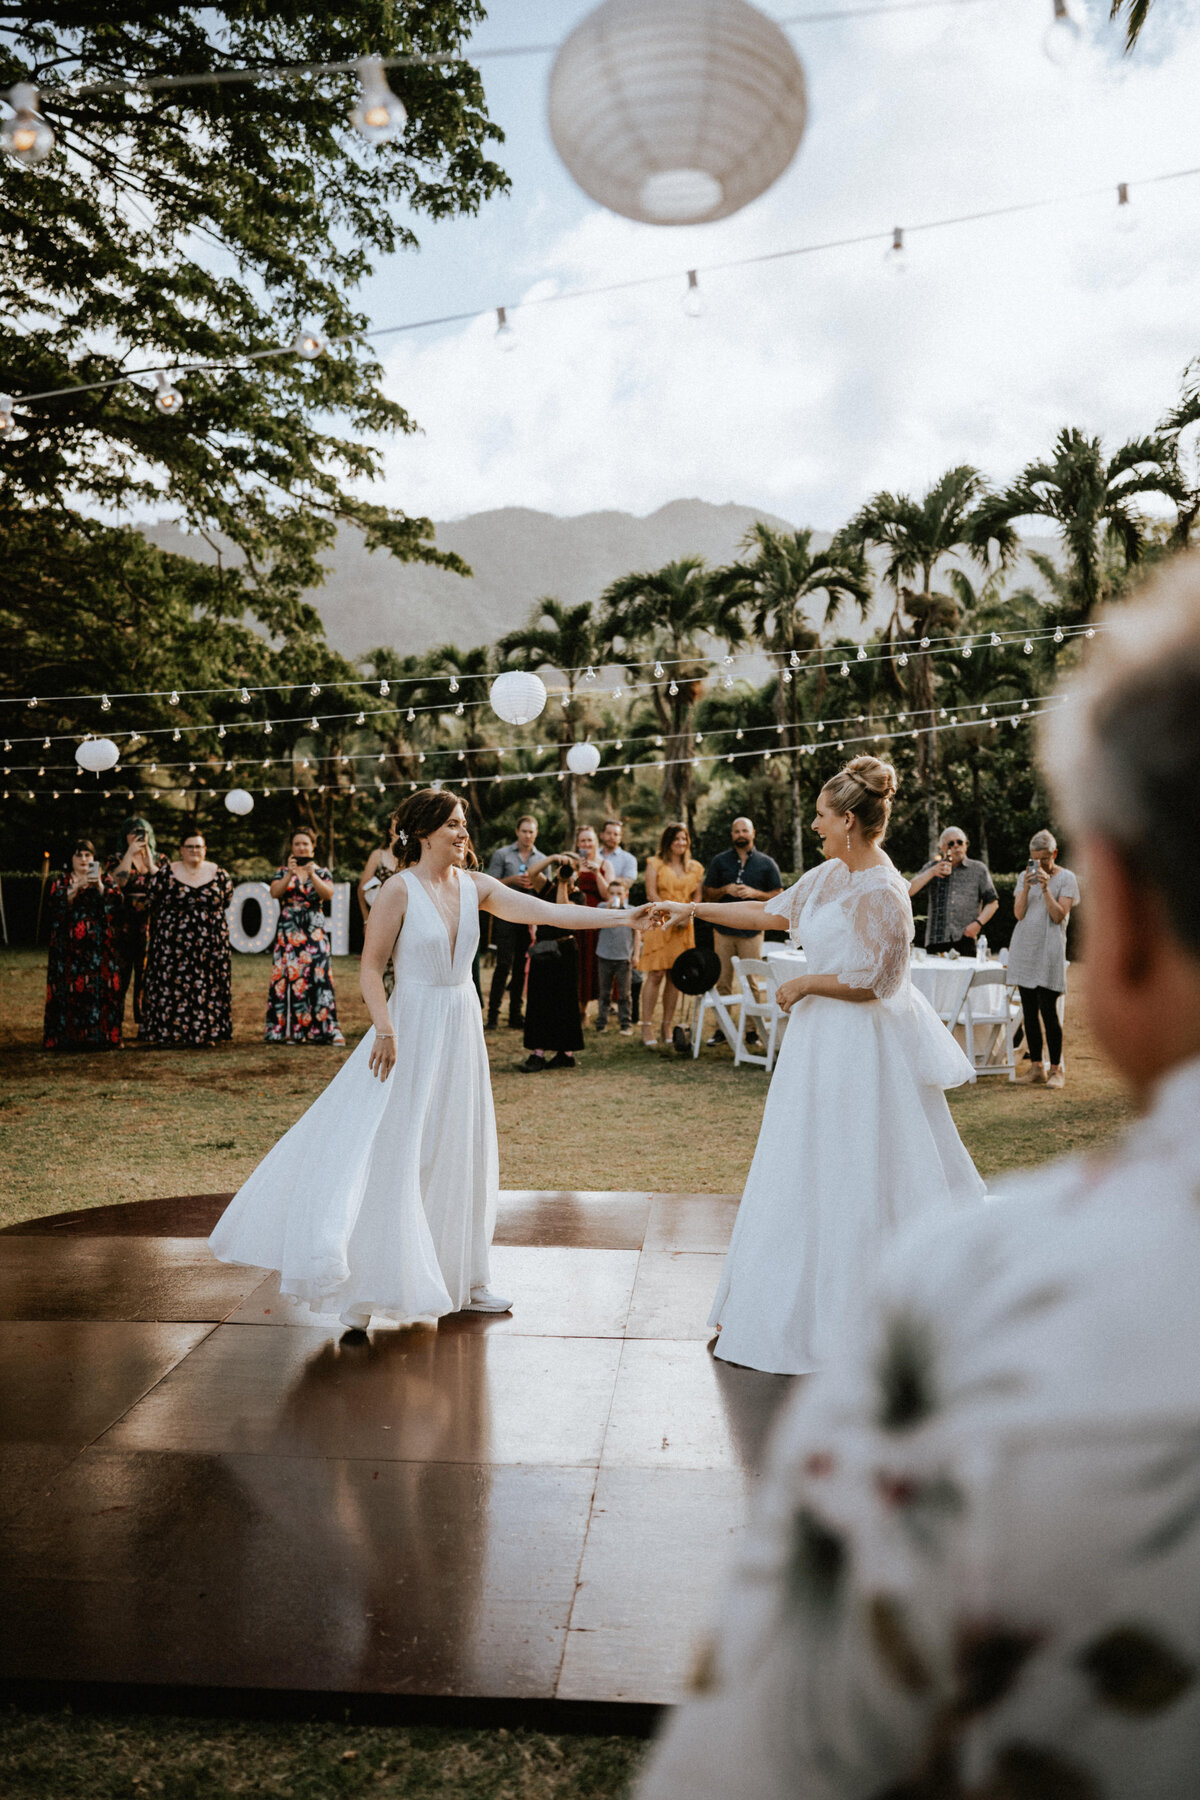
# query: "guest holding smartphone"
{"type": "Point", "coordinates": [188, 995]}
{"type": "Point", "coordinates": [83, 971]}
{"type": "Point", "coordinates": [301, 1007]}
{"type": "Point", "coordinates": [131, 867]}
{"type": "Point", "coordinates": [1037, 955]}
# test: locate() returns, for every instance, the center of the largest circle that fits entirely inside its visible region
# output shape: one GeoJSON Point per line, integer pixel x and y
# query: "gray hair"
{"type": "Point", "coordinates": [1043, 840]}
{"type": "Point", "coordinates": [1122, 749]}
{"type": "Point", "coordinates": [957, 831]}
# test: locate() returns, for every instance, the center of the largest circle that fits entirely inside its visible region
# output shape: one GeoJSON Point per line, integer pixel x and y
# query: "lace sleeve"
{"type": "Point", "coordinates": [882, 923]}
{"type": "Point", "coordinates": [791, 903]}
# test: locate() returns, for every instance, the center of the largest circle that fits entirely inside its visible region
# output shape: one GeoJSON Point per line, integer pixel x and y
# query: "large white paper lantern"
{"type": "Point", "coordinates": [583, 759]}
{"type": "Point", "coordinates": [239, 801]}
{"type": "Point", "coordinates": [95, 754]}
{"type": "Point", "coordinates": [517, 696]}
{"type": "Point", "coordinates": [676, 112]}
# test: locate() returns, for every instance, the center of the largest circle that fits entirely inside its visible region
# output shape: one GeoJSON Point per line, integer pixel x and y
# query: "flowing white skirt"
{"type": "Point", "coordinates": [856, 1140]}
{"type": "Point", "coordinates": [382, 1198]}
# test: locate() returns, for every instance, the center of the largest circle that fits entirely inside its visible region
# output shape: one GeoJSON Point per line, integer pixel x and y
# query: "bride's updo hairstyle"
{"type": "Point", "coordinates": [420, 816]}
{"type": "Point", "coordinates": [866, 787]}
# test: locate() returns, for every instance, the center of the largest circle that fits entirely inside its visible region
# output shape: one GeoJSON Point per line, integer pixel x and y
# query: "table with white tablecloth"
{"type": "Point", "coordinates": [942, 979]}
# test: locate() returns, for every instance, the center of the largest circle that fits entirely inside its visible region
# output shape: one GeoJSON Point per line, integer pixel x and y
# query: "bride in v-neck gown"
{"type": "Point", "coordinates": [381, 1200]}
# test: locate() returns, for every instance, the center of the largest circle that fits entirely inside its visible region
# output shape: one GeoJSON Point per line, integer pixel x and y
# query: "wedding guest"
{"type": "Point", "coordinates": [379, 865]}
{"type": "Point", "coordinates": [622, 862]}
{"type": "Point", "coordinates": [301, 1006]}
{"type": "Point", "coordinates": [188, 997]}
{"type": "Point", "coordinates": [83, 970]}
{"type": "Point", "coordinates": [552, 1018]}
{"type": "Point", "coordinates": [616, 950]}
{"type": "Point", "coordinates": [1037, 955]}
{"type": "Point", "coordinates": [975, 1561]}
{"type": "Point", "coordinates": [674, 874]}
{"type": "Point", "coordinates": [962, 898]}
{"type": "Point", "coordinates": [739, 873]}
{"type": "Point", "coordinates": [517, 865]}
{"type": "Point", "coordinates": [131, 867]}
{"type": "Point", "coordinates": [593, 875]}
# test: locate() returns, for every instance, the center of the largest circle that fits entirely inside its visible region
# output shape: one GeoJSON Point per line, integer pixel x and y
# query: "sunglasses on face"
{"type": "Point", "coordinates": [956, 844]}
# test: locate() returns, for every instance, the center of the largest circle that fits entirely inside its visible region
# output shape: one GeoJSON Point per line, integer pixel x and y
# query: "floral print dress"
{"type": "Point", "coordinates": [301, 1008]}
{"type": "Point", "coordinates": [83, 973]}
{"type": "Point", "coordinates": [187, 997]}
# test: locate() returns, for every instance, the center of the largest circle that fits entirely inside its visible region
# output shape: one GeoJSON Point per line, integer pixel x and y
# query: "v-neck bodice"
{"type": "Point", "coordinates": [423, 956]}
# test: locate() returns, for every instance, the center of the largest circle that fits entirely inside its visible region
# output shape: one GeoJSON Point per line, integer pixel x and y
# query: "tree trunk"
{"type": "Point", "coordinates": [977, 808]}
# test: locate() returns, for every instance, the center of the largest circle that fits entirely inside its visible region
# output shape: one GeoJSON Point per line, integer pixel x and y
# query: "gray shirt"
{"type": "Point", "coordinates": [623, 865]}
{"type": "Point", "coordinates": [1037, 955]}
{"type": "Point", "coordinates": [615, 942]}
{"type": "Point", "coordinates": [956, 899]}
{"type": "Point", "coordinates": [508, 860]}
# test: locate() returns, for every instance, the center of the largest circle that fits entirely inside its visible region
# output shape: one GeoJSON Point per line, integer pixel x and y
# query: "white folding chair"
{"type": "Point", "coordinates": [765, 1015]}
{"type": "Point", "coordinates": [991, 1007]}
{"type": "Point", "coordinates": [946, 986]}
{"type": "Point", "coordinates": [719, 1005]}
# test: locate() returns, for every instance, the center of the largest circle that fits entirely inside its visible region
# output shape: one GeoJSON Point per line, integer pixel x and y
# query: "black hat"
{"type": "Point", "coordinates": [696, 970]}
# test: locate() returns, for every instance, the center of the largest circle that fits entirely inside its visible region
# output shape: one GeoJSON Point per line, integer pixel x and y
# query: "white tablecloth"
{"type": "Point", "coordinates": [938, 978]}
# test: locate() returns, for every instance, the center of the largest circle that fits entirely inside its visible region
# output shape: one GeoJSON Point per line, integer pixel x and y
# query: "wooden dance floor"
{"type": "Point", "coordinates": [202, 1488]}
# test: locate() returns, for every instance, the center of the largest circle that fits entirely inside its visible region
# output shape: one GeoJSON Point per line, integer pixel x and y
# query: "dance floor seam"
{"type": "Point", "coordinates": [204, 1488]}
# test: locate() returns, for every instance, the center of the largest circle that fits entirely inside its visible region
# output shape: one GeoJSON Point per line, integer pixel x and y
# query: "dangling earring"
{"type": "Point", "coordinates": [847, 839]}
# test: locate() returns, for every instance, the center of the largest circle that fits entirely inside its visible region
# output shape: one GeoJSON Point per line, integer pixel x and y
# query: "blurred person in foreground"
{"type": "Point", "coordinates": [83, 971]}
{"type": "Point", "coordinates": [975, 1569]}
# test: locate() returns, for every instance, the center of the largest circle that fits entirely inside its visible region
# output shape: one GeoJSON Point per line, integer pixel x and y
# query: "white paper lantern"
{"type": "Point", "coordinates": [583, 759]}
{"type": "Point", "coordinates": [517, 696]}
{"type": "Point", "coordinates": [239, 801]}
{"type": "Point", "coordinates": [676, 112]}
{"type": "Point", "coordinates": [95, 754]}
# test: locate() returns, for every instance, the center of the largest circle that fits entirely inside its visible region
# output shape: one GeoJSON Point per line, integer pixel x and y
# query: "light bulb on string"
{"type": "Point", "coordinates": [793, 660]}
{"type": "Point", "coordinates": [244, 696]}
{"type": "Point", "coordinates": [410, 716]}
{"type": "Point", "coordinates": [902, 659]}
{"type": "Point", "coordinates": [167, 399]}
{"type": "Point", "coordinates": [693, 300]}
{"type": "Point", "coordinates": [267, 728]}
{"type": "Point", "coordinates": [26, 136]}
{"type": "Point", "coordinates": [845, 669]}
{"type": "Point", "coordinates": [384, 690]}
{"type": "Point", "coordinates": [1126, 219]}
{"type": "Point", "coordinates": [1062, 37]}
{"type": "Point", "coordinates": [659, 671]}
{"type": "Point", "coordinates": [996, 642]}
{"type": "Point", "coordinates": [727, 660]}
{"type": "Point", "coordinates": [968, 650]}
{"type": "Point", "coordinates": [313, 691]}
{"type": "Point", "coordinates": [380, 113]}
{"type": "Point", "coordinates": [894, 258]}
{"type": "Point", "coordinates": [786, 677]}
{"type": "Point", "coordinates": [459, 710]}
{"type": "Point", "coordinates": [727, 684]}
{"type": "Point", "coordinates": [1058, 634]}
{"type": "Point", "coordinates": [862, 655]}
{"type": "Point", "coordinates": [308, 343]}
{"type": "Point", "coordinates": [361, 719]}
{"type": "Point", "coordinates": [673, 689]}
{"type": "Point", "coordinates": [312, 724]}
{"type": "Point", "coordinates": [924, 643]}
{"type": "Point", "coordinates": [590, 674]}
{"type": "Point", "coordinates": [176, 735]}
{"type": "Point", "coordinates": [453, 685]}
{"type": "Point", "coordinates": [1027, 647]}
{"type": "Point", "coordinates": [506, 337]}
{"type": "Point", "coordinates": [739, 734]}
{"type": "Point", "coordinates": [174, 698]}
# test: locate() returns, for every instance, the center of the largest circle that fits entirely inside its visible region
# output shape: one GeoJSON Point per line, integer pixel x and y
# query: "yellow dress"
{"type": "Point", "coordinates": [660, 946]}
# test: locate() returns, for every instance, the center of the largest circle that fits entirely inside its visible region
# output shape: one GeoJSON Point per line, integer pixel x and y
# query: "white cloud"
{"type": "Point", "coordinates": [809, 383]}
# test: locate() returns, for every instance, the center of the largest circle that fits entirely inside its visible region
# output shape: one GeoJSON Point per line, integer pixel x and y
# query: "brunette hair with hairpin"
{"type": "Point", "coordinates": [419, 817]}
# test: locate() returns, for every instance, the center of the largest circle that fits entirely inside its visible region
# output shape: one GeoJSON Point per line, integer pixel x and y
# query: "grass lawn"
{"type": "Point", "coordinates": [87, 1130]}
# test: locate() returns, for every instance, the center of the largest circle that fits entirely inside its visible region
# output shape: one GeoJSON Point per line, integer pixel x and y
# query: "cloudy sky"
{"type": "Point", "coordinates": [809, 383]}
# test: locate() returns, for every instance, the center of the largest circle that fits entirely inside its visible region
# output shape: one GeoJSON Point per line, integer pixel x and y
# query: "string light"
{"type": "Point", "coordinates": [384, 690]}
{"type": "Point", "coordinates": [1126, 216]}
{"type": "Point", "coordinates": [361, 719]}
{"type": "Point", "coordinates": [174, 697]}
{"type": "Point", "coordinates": [862, 655]}
{"type": "Point", "coordinates": [380, 114]}
{"type": "Point", "coordinates": [244, 697]}
{"type": "Point", "coordinates": [693, 300]}
{"type": "Point", "coordinates": [26, 136]}
{"type": "Point", "coordinates": [308, 343]}
{"type": "Point", "coordinates": [894, 259]}
{"type": "Point", "coordinates": [314, 690]}
{"type": "Point", "coordinates": [659, 671]}
{"type": "Point", "coordinates": [168, 399]}
{"type": "Point", "coordinates": [506, 337]}
{"type": "Point", "coordinates": [1063, 35]}
{"type": "Point", "coordinates": [453, 685]}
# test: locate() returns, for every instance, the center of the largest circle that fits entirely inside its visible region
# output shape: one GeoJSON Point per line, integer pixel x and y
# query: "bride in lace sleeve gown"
{"type": "Point", "coordinates": [856, 1136]}
{"type": "Point", "coordinates": [381, 1200]}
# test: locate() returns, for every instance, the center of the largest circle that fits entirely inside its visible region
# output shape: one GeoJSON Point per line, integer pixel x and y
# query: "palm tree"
{"type": "Point", "coordinates": [917, 535]}
{"type": "Point", "coordinates": [1137, 12]}
{"type": "Point", "coordinates": [562, 638]}
{"type": "Point", "coordinates": [1088, 497]}
{"type": "Point", "coordinates": [472, 671]}
{"type": "Point", "coordinates": [666, 614]}
{"type": "Point", "coordinates": [773, 589]}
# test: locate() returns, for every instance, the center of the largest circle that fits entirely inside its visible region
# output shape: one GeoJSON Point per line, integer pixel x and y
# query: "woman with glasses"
{"type": "Point", "coordinates": [961, 896]}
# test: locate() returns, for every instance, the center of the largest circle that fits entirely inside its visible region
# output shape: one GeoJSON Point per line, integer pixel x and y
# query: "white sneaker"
{"type": "Point", "coordinates": [484, 1301]}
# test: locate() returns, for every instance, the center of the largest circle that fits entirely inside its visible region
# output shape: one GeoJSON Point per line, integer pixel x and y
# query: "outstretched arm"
{"type": "Point", "coordinates": [526, 909]}
{"type": "Point", "coordinates": [743, 915]}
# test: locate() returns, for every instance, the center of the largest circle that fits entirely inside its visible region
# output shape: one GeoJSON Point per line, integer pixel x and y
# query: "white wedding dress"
{"type": "Point", "coordinates": [382, 1198]}
{"type": "Point", "coordinates": [856, 1137]}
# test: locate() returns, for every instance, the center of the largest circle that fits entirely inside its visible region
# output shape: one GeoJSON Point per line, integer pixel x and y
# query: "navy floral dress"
{"type": "Point", "coordinates": [301, 1008]}
{"type": "Point", "coordinates": [187, 999]}
{"type": "Point", "coordinates": [83, 973]}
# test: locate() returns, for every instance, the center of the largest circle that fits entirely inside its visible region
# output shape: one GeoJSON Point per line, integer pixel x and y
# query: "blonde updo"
{"type": "Point", "coordinates": [866, 787]}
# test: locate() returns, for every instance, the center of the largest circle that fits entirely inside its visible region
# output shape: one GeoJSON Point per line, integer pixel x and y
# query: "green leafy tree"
{"type": "Point", "coordinates": [1089, 498]}
{"type": "Point", "coordinates": [173, 225]}
{"type": "Point", "coordinates": [668, 613]}
{"type": "Point", "coordinates": [917, 536]}
{"type": "Point", "coordinates": [776, 589]}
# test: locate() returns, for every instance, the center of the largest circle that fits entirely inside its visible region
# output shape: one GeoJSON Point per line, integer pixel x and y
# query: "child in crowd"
{"type": "Point", "coordinates": [616, 952]}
